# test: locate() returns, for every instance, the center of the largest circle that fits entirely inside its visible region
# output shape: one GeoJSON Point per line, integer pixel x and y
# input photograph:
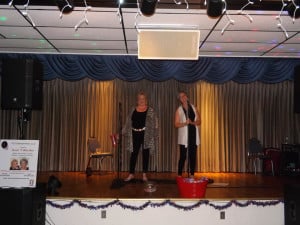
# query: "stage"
{"type": "Point", "coordinates": [226, 186]}
{"type": "Point", "coordinates": [233, 198]}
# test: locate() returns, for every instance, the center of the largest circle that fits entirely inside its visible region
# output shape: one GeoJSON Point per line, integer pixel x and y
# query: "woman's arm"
{"type": "Point", "coordinates": [197, 122]}
{"type": "Point", "coordinates": [177, 122]}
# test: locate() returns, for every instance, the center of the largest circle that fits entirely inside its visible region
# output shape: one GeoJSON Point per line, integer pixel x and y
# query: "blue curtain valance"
{"type": "Point", "coordinates": [130, 68]}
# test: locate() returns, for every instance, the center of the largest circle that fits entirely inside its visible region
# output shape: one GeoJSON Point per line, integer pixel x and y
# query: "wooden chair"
{"type": "Point", "coordinates": [95, 152]}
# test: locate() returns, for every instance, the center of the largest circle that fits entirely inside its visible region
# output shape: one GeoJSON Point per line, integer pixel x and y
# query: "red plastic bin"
{"type": "Point", "coordinates": [191, 188]}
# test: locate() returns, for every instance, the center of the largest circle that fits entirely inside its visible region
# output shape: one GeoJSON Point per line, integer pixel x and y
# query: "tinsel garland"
{"type": "Point", "coordinates": [164, 203]}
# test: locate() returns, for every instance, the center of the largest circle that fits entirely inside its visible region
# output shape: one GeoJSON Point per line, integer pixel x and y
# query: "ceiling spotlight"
{"type": "Point", "coordinates": [215, 8]}
{"type": "Point", "coordinates": [148, 7]}
{"type": "Point", "coordinates": [65, 6]}
{"type": "Point", "coordinates": [293, 9]}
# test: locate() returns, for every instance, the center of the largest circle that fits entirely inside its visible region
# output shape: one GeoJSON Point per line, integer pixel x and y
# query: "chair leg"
{"type": "Point", "coordinates": [254, 164]}
{"type": "Point", "coordinates": [111, 164]}
{"type": "Point", "coordinates": [247, 164]}
{"type": "Point", "coordinates": [101, 159]}
{"type": "Point", "coordinates": [88, 165]}
{"type": "Point", "coordinates": [88, 169]}
{"type": "Point", "coordinates": [272, 166]}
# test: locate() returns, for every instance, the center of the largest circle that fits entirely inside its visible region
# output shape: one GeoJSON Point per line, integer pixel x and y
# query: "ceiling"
{"type": "Point", "coordinates": [111, 28]}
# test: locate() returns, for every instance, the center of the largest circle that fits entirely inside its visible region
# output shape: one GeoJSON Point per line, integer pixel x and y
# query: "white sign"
{"type": "Point", "coordinates": [18, 163]}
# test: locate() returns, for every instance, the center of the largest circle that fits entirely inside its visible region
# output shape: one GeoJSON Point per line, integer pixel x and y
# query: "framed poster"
{"type": "Point", "coordinates": [18, 163]}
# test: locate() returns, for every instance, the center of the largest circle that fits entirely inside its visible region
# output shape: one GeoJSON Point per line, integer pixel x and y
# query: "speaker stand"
{"type": "Point", "coordinates": [23, 117]}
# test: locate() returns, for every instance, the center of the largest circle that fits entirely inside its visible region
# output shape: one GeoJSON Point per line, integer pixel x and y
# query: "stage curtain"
{"type": "Point", "coordinates": [130, 68]}
{"type": "Point", "coordinates": [231, 113]}
{"type": "Point", "coordinates": [73, 112]}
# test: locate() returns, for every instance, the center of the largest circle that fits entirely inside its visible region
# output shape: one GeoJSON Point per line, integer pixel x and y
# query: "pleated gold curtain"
{"type": "Point", "coordinates": [231, 113]}
{"type": "Point", "coordinates": [77, 111]}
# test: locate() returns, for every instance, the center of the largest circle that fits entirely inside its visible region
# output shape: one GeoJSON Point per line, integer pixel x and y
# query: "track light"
{"type": "Point", "coordinates": [215, 8]}
{"type": "Point", "coordinates": [148, 7]}
{"type": "Point", "coordinates": [65, 6]}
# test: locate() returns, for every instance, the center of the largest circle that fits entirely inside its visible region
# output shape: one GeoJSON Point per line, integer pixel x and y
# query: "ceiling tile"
{"type": "Point", "coordinates": [87, 33]}
{"type": "Point", "coordinates": [25, 43]}
{"type": "Point", "coordinates": [16, 32]}
{"type": "Point", "coordinates": [101, 30]}
{"type": "Point", "coordinates": [88, 45]}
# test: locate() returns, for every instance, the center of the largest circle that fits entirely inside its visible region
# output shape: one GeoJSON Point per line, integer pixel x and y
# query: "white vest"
{"type": "Point", "coordinates": [183, 131]}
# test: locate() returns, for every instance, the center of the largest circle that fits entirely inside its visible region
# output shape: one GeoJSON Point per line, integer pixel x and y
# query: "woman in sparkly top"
{"type": "Point", "coordinates": [141, 129]}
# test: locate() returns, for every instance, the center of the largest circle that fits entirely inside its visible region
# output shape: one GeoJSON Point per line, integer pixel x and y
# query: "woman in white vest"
{"type": "Point", "coordinates": [187, 120]}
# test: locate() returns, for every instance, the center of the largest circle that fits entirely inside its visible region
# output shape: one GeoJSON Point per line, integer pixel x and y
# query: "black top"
{"type": "Point", "coordinates": [138, 119]}
{"type": "Point", "coordinates": [191, 128]}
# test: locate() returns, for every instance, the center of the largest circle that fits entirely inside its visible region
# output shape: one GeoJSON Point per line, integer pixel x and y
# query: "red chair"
{"type": "Point", "coordinates": [273, 156]}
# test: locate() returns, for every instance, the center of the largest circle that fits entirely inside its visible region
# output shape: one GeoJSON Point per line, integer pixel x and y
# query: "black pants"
{"type": "Point", "coordinates": [192, 158]}
{"type": "Point", "coordinates": [138, 141]}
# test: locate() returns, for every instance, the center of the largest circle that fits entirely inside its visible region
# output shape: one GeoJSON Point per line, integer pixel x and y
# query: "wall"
{"type": "Point", "coordinates": [162, 212]}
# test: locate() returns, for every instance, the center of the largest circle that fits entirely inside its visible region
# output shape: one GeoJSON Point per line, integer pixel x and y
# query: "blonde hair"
{"type": "Point", "coordinates": [14, 160]}
{"type": "Point", "coordinates": [143, 94]}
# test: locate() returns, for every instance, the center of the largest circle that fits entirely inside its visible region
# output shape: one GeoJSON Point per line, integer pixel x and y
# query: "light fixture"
{"type": "Point", "coordinates": [280, 25]}
{"type": "Point", "coordinates": [148, 7]}
{"type": "Point", "coordinates": [84, 19]}
{"type": "Point", "coordinates": [293, 9]}
{"type": "Point", "coordinates": [215, 8]}
{"type": "Point", "coordinates": [241, 11]}
{"type": "Point", "coordinates": [65, 6]}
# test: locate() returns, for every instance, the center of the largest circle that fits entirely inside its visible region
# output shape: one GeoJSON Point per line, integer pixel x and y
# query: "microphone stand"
{"type": "Point", "coordinates": [117, 182]}
{"type": "Point", "coordinates": [22, 120]}
{"type": "Point", "coordinates": [188, 141]}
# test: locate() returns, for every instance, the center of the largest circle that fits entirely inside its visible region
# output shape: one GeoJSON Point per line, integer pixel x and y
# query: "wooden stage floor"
{"type": "Point", "coordinates": [226, 186]}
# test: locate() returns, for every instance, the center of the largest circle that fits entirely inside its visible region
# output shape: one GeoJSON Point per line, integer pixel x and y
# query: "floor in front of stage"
{"type": "Point", "coordinates": [225, 186]}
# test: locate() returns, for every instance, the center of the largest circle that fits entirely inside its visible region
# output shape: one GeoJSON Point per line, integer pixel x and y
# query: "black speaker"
{"type": "Point", "coordinates": [292, 204]}
{"type": "Point", "coordinates": [297, 89]}
{"type": "Point", "coordinates": [148, 7]}
{"type": "Point", "coordinates": [26, 206]}
{"type": "Point", "coordinates": [215, 8]}
{"type": "Point", "coordinates": [22, 85]}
